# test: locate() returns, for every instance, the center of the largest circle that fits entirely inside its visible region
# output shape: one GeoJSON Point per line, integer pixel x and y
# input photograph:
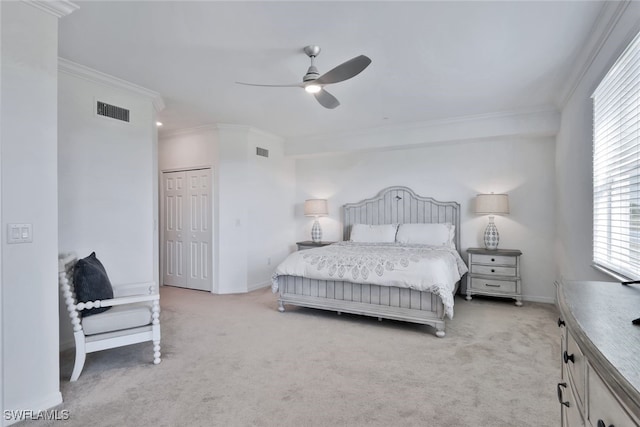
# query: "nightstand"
{"type": "Point", "coordinates": [308, 244]}
{"type": "Point", "coordinates": [495, 273]}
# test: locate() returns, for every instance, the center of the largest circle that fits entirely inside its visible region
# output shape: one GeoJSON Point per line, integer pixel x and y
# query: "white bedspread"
{"type": "Point", "coordinates": [419, 267]}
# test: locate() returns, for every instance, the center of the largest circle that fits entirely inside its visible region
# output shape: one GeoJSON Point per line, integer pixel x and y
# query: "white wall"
{"type": "Point", "coordinates": [2, 404]}
{"type": "Point", "coordinates": [452, 171]}
{"type": "Point", "coordinates": [29, 69]}
{"type": "Point", "coordinates": [232, 200]}
{"type": "Point", "coordinates": [107, 179]}
{"type": "Point", "coordinates": [252, 199]}
{"type": "Point", "coordinates": [193, 148]}
{"type": "Point", "coordinates": [574, 152]}
{"type": "Point", "coordinates": [270, 209]}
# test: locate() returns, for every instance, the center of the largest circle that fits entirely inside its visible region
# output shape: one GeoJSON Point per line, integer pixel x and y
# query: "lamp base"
{"type": "Point", "coordinates": [316, 232]}
{"type": "Point", "coordinates": [491, 236]}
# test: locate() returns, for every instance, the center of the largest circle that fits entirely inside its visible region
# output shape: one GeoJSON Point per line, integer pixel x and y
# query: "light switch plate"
{"type": "Point", "coordinates": [19, 233]}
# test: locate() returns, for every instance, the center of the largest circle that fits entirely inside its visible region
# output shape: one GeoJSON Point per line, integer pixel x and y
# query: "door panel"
{"type": "Point", "coordinates": [199, 193]}
{"type": "Point", "coordinates": [173, 223]}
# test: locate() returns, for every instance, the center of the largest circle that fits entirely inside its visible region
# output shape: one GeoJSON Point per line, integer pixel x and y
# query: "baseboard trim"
{"type": "Point", "coordinates": [257, 286]}
{"type": "Point", "coordinates": [546, 300]}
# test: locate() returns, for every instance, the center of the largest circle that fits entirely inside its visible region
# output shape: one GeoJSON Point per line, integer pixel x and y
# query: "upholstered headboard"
{"type": "Point", "coordinates": [400, 205]}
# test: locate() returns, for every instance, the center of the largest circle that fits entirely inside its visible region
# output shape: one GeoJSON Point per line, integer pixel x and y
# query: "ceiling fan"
{"type": "Point", "coordinates": [314, 83]}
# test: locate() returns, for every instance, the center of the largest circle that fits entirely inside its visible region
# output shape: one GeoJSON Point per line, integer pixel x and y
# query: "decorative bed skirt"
{"type": "Point", "coordinates": [383, 302]}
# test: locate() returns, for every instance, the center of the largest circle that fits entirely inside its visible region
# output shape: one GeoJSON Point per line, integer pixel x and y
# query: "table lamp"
{"type": "Point", "coordinates": [492, 204]}
{"type": "Point", "coordinates": [316, 208]}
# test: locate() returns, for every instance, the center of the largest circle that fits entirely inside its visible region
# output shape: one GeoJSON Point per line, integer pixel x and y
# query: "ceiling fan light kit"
{"type": "Point", "coordinates": [313, 88]}
{"type": "Point", "coordinates": [314, 83]}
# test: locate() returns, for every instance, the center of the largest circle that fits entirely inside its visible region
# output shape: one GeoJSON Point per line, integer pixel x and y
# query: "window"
{"type": "Point", "coordinates": [616, 167]}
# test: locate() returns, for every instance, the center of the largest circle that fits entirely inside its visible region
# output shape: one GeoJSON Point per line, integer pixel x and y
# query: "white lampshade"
{"type": "Point", "coordinates": [316, 207]}
{"type": "Point", "coordinates": [492, 204]}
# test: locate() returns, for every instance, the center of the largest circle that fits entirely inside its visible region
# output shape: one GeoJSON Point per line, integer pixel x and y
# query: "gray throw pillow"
{"type": "Point", "coordinates": [91, 283]}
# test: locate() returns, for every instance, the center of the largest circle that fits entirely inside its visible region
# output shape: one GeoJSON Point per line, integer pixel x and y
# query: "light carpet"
{"type": "Point", "coordinates": [234, 360]}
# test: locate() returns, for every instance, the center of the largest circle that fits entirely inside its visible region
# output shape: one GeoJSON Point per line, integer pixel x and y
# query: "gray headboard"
{"type": "Point", "coordinates": [400, 205]}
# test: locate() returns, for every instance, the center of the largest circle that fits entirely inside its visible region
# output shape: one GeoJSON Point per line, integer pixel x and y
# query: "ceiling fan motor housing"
{"type": "Point", "coordinates": [312, 74]}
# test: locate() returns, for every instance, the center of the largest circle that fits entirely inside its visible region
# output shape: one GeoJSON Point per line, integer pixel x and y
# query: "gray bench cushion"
{"type": "Point", "coordinates": [119, 317]}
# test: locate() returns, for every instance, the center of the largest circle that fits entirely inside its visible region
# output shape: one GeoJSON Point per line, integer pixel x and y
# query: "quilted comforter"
{"type": "Point", "coordinates": [435, 269]}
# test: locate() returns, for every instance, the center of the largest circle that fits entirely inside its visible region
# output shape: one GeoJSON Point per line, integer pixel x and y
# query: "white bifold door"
{"type": "Point", "coordinates": [186, 224]}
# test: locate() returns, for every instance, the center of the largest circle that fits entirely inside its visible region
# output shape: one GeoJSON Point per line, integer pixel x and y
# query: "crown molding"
{"type": "Point", "coordinates": [94, 76]}
{"type": "Point", "coordinates": [606, 21]}
{"type": "Point", "coordinates": [433, 123]}
{"type": "Point", "coordinates": [541, 121]}
{"type": "Point", "coordinates": [218, 127]}
{"type": "Point", "coordinates": [233, 127]}
{"type": "Point", "coordinates": [265, 134]}
{"type": "Point", "coordinates": [212, 127]}
{"type": "Point", "coordinates": [188, 131]}
{"type": "Point", "coordinates": [57, 8]}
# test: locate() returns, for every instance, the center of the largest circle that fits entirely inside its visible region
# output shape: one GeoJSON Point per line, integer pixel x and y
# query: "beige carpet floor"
{"type": "Point", "coordinates": [234, 360]}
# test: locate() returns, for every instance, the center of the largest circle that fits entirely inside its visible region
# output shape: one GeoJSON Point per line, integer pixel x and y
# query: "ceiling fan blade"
{"type": "Point", "coordinates": [255, 84]}
{"type": "Point", "coordinates": [345, 71]}
{"type": "Point", "coordinates": [326, 99]}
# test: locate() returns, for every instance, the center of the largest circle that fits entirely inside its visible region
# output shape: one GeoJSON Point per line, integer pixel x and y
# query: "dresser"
{"type": "Point", "coordinates": [308, 244]}
{"type": "Point", "coordinates": [600, 354]}
{"type": "Point", "coordinates": [495, 273]}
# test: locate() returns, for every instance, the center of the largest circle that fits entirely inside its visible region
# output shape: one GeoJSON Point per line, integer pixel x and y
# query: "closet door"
{"type": "Point", "coordinates": [199, 196]}
{"type": "Point", "coordinates": [187, 229]}
{"type": "Point", "coordinates": [174, 256]}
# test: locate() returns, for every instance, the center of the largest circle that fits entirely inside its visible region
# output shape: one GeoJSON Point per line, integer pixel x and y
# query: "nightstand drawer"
{"type": "Point", "coordinates": [308, 244]}
{"type": "Point", "coordinates": [490, 270]}
{"type": "Point", "coordinates": [493, 259]}
{"type": "Point", "coordinates": [489, 285]}
{"type": "Point", "coordinates": [495, 273]}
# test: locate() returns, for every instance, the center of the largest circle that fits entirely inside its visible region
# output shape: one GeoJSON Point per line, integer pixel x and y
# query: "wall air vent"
{"type": "Point", "coordinates": [262, 152]}
{"type": "Point", "coordinates": [108, 110]}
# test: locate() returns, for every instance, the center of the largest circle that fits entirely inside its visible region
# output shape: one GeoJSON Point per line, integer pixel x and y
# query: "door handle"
{"type": "Point", "coordinates": [560, 399]}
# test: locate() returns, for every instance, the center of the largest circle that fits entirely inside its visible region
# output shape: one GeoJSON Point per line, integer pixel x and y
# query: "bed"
{"type": "Point", "coordinates": [372, 278]}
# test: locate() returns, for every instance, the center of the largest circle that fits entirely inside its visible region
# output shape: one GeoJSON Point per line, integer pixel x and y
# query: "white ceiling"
{"type": "Point", "coordinates": [431, 60]}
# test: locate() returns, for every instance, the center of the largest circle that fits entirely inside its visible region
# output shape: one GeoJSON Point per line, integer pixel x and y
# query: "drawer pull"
{"type": "Point", "coordinates": [493, 260]}
{"type": "Point", "coordinates": [493, 270]}
{"type": "Point", "coordinates": [602, 424]}
{"type": "Point", "coordinates": [491, 285]}
{"type": "Point", "coordinates": [560, 322]}
{"type": "Point", "coordinates": [568, 357]}
{"type": "Point", "coordinates": [560, 394]}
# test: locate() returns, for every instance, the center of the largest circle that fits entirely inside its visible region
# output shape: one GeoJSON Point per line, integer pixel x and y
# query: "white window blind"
{"type": "Point", "coordinates": [616, 167]}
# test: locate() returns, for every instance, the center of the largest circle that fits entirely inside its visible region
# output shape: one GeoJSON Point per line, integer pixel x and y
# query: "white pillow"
{"type": "Point", "coordinates": [427, 234]}
{"type": "Point", "coordinates": [364, 233]}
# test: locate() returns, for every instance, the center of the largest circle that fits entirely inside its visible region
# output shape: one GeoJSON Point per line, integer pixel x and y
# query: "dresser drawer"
{"type": "Point", "coordinates": [604, 406]}
{"type": "Point", "coordinates": [571, 413]}
{"type": "Point", "coordinates": [575, 364]}
{"type": "Point", "coordinates": [491, 285]}
{"type": "Point", "coordinates": [493, 259]}
{"type": "Point", "coordinates": [493, 270]}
